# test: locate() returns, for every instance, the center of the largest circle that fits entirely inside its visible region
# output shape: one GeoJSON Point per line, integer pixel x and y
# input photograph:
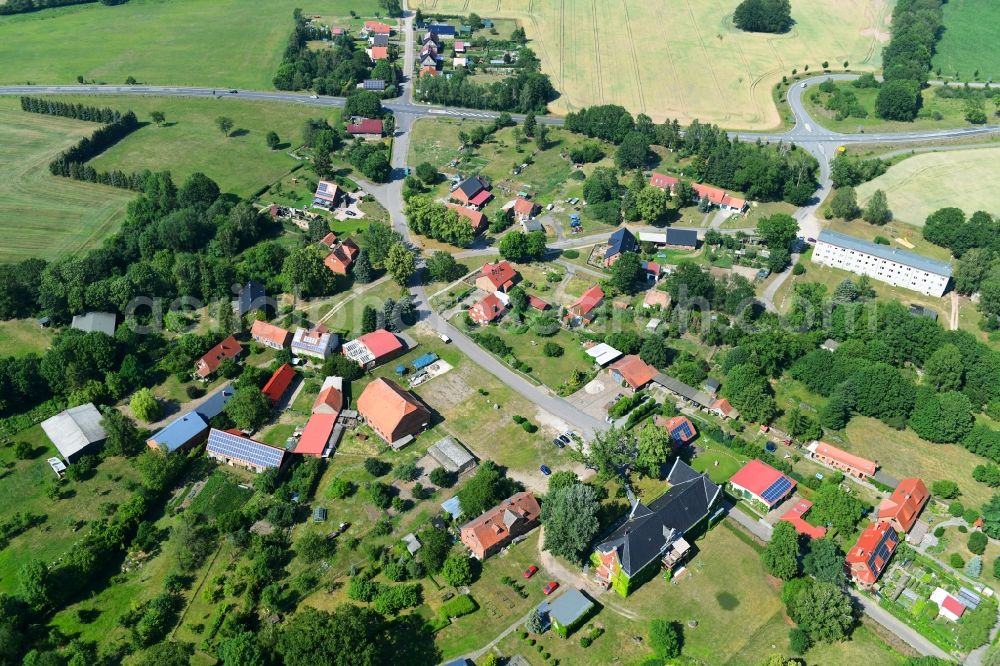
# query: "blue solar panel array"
{"type": "Point", "coordinates": [681, 433]}
{"type": "Point", "coordinates": [882, 550]}
{"type": "Point", "coordinates": [776, 490]}
{"type": "Point", "coordinates": [241, 448]}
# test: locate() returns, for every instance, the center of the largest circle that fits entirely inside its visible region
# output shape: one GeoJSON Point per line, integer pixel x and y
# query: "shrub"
{"type": "Point", "coordinates": [406, 471]}
{"type": "Point", "coordinates": [341, 488]}
{"type": "Point", "coordinates": [939, 532]}
{"type": "Point", "coordinates": [798, 269]}
{"type": "Point", "coordinates": [585, 642]}
{"type": "Point", "coordinates": [963, 529]}
{"type": "Point", "coordinates": [956, 561]}
{"type": "Point", "coordinates": [970, 515]}
{"type": "Point", "coordinates": [442, 478]}
{"type": "Point", "coordinates": [956, 509]}
{"type": "Point", "coordinates": [529, 428]}
{"type": "Point", "coordinates": [977, 543]}
{"type": "Point", "coordinates": [945, 489]}
{"type": "Point", "coordinates": [571, 254]}
{"type": "Point", "coordinates": [376, 467]}
{"type": "Point", "coordinates": [799, 641]}
{"type": "Point", "coordinates": [461, 605]}
{"type": "Point", "coordinates": [552, 349]}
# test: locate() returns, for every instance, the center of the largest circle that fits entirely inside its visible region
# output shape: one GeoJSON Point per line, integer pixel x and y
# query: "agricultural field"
{"type": "Point", "coordinates": [41, 215]}
{"type": "Point", "coordinates": [610, 53]}
{"type": "Point", "coordinates": [225, 43]}
{"type": "Point", "coordinates": [968, 26]}
{"type": "Point", "coordinates": [919, 185]}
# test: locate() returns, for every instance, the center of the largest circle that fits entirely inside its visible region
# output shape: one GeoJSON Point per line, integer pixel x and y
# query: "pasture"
{"type": "Point", "coordinates": [969, 25]}
{"type": "Point", "coordinates": [41, 215]}
{"type": "Point", "coordinates": [167, 42]}
{"type": "Point", "coordinates": [919, 185]}
{"type": "Point", "coordinates": [683, 59]}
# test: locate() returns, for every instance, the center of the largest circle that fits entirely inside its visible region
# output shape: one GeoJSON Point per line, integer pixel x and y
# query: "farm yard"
{"type": "Point", "coordinates": [919, 185]}
{"type": "Point", "coordinates": [619, 53]}
{"type": "Point", "coordinates": [959, 54]}
{"type": "Point", "coordinates": [218, 43]}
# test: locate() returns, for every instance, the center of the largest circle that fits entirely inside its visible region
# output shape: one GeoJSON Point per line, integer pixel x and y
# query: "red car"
{"type": "Point", "coordinates": [550, 588]}
{"type": "Point", "coordinates": [530, 571]}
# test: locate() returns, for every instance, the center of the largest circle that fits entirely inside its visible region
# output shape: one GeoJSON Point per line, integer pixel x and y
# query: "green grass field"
{"type": "Point", "coordinates": [968, 42]}
{"type": "Point", "coordinates": [225, 43]}
{"type": "Point", "coordinates": [41, 215]}
{"type": "Point", "coordinates": [951, 112]}
{"type": "Point", "coordinates": [919, 185]}
{"type": "Point", "coordinates": [23, 336]}
{"type": "Point", "coordinates": [700, 66]}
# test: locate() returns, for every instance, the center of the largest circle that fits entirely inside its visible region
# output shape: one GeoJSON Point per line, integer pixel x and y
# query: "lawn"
{"type": "Point", "coordinates": [902, 454]}
{"type": "Point", "coordinates": [23, 336]}
{"type": "Point", "coordinates": [224, 43]}
{"type": "Point", "coordinates": [702, 67]}
{"type": "Point", "coordinates": [190, 140]}
{"type": "Point", "coordinates": [551, 371]}
{"type": "Point", "coordinates": [919, 185]}
{"type": "Point", "coordinates": [34, 223]}
{"type": "Point", "coordinates": [968, 26]}
{"type": "Point", "coordinates": [718, 461]}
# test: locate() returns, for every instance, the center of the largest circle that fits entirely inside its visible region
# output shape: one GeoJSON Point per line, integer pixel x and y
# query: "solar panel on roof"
{"type": "Point", "coordinates": [241, 448]}
{"type": "Point", "coordinates": [682, 432]}
{"type": "Point", "coordinates": [881, 554]}
{"type": "Point", "coordinates": [776, 490]}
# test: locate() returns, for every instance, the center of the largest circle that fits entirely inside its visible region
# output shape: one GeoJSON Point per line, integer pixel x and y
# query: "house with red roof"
{"type": "Point", "coordinates": [719, 197]}
{"type": "Point", "coordinates": [723, 409]}
{"type": "Point", "coordinates": [377, 53]}
{"type": "Point", "coordinates": [903, 507]}
{"type": "Point", "coordinates": [663, 181]}
{"type": "Point", "coordinates": [459, 46]}
{"type": "Point", "coordinates": [278, 384]}
{"type": "Point", "coordinates": [842, 460]}
{"type": "Point", "coordinates": [583, 308]}
{"type": "Point", "coordinates": [476, 218]}
{"type": "Point", "coordinates": [870, 556]}
{"type": "Point", "coordinates": [326, 195]}
{"type": "Point", "coordinates": [680, 428]}
{"type": "Point", "coordinates": [377, 28]}
{"type": "Point", "coordinates": [394, 414]}
{"type": "Point", "coordinates": [493, 530]}
{"type": "Point", "coordinates": [761, 485]}
{"type": "Point", "coordinates": [375, 348]}
{"type": "Point", "coordinates": [537, 303]}
{"type": "Point", "coordinates": [366, 128]}
{"type": "Point", "coordinates": [948, 606]}
{"type": "Point", "coordinates": [500, 276]}
{"type": "Point", "coordinates": [427, 70]}
{"type": "Point", "coordinates": [342, 257]}
{"type": "Point", "coordinates": [270, 335]}
{"type": "Point", "coordinates": [525, 208]}
{"type": "Point", "coordinates": [316, 436]}
{"type": "Point", "coordinates": [796, 516]}
{"type": "Point", "coordinates": [330, 399]}
{"type": "Point", "coordinates": [487, 310]}
{"type": "Point", "coordinates": [473, 191]}
{"type": "Point", "coordinates": [229, 348]}
{"type": "Point", "coordinates": [329, 241]}
{"type": "Point", "coordinates": [632, 371]}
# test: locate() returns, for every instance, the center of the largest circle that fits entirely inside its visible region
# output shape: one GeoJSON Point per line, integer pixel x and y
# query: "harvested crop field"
{"type": "Point", "coordinates": [683, 58]}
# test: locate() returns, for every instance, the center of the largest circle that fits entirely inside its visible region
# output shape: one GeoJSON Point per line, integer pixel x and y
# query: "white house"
{"type": "Point", "coordinates": [948, 606]}
{"type": "Point", "coordinates": [880, 262]}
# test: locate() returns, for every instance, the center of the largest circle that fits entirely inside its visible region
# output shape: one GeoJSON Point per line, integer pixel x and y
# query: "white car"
{"type": "Point", "coordinates": [314, 96]}
{"type": "Point", "coordinates": [802, 85]}
{"type": "Point", "coordinates": [444, 338]}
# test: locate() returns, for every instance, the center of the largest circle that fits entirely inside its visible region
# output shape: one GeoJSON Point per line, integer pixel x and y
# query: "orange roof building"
{"type": "Point", "coordinates": [394, 414]}
{"type": "Point", "coordinates": [524, 207]}
{"type": "Point", "coordinates": [500, 276]}
{"type": "Point", "coordinates": [342, 257]}
{"type": "Point", "coordinates": [488, 310]}
{"type": "Point", "coordinates": [316, 436]}
{"type": "Point", "coordinates": [209, 363]}
{"type": "Point", "coordinates": [330, 399]}
{"type": "Point", "coordinates": [796, 516]}
{"type": "Point", "coordinates": [491, 531]}
{"type": "Point", "coordinates": [377, 28]}
{"type": "Point", "coordinates": [279, 382]}
{"type": "Point", "coordinates": [475, 217]}
{"type": "Point", "coordinates": [633, 371]}
{"type": "Point", "coordinates": [842, 460]}
{"type": "Point", "coordinates": [904, 505]}
{"type": "Point", "coordinates": [270, 335]}
{"type": "Point", "coordinates": [380, 53]}
{"type": "Point", "coordinates": [656, 298]}
{"type": "Point", "coordinates": [869, 557]}
{"type": "Point", "coordinates": [723, 409]}
{"type": "Point", "coordinates": [663, 181]}
{"type": "Point", "coordinates": [589, 301]}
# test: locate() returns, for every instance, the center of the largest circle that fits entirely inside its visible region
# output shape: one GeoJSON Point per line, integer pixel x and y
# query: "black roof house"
{"type": "Point", "coordinates": [621, 241]}
{"type": "Point", "coordinates": [682, 237]}
{"type": "Point", "coordinates": [472, 186]}
{"type": "Point", "coordinates": [251, 297]}
{"type": "Point", "coordinates": [648, 532]}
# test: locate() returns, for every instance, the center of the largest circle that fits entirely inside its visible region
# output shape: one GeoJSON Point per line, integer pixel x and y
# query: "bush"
{"type": "Point", "coordinates": [963, 529]}
{"type": "Point", "coordinates": [377, 467]}
{"type": "Point", "coordinates": [798, 269]}
{"type": "Point", "coordinates": [341, 488]}
{"type": "Point", "coordinates": [939, 532]}
{"type": "Point", "coordinates": [442, 478]}
{"type": "Point", "coordinates": [552, 350]}
{"type": "Point", "coordinates": [956, 509]}
{"type": "Point", "coordinates": [571, 254]}
{"type": "Point", "coordinates": [956, 561]}
{"type": "Point", "coordinates": [461, 605]}
{"type": "Point", "coordinates": [970, 515]}
{"type": "Point", "coordinates": [945, 489]}
{"type": "Point", "coordinates": [406, 471]}
{"type": "Point", "coordinates": [585, 642]}
{"type": "Point", "coordinates": [799, 641]}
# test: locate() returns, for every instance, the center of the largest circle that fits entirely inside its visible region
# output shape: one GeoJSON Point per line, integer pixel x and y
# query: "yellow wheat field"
{"type": "Point", "coordinates": [683, 58]}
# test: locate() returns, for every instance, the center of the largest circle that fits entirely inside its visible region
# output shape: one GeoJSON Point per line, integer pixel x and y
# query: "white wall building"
{"type": "Point", "coordinates": [882, 263]}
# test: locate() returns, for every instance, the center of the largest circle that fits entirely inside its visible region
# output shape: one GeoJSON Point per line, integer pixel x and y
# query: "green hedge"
{"type": "Point", "coordinates": [457, 607]}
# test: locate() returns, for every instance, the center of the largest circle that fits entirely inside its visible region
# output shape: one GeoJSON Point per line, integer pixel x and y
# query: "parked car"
{"type": "Point", "coordinates": [565, 438]}
{"type": "Point", "coordinates": [545, 470]}
{"type": "Point", "coordinates": [558, 442]}
{"type": "Point", "coordinates": [444, 338]}
{"type": "Point", "coordinates": [811, 240]}
{"type": "Point", "coordinates": [314, 96]}
{"type": "Point", "coordinates": [233, 91]}
{"type": "Point", "coordinates": [530, 571]}
{"type": "Point", "coordinates": [550, 588]}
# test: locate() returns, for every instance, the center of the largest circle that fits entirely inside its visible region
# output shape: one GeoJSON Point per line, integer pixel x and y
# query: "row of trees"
{"type": "Point", "coordinates": [104, 115]}
{"type": "Point", "coordinates": [23, 6]}
{"type": "Point", "coordinates": [906, 60]}
{"type": "Point", "coordinates": [524, 91]}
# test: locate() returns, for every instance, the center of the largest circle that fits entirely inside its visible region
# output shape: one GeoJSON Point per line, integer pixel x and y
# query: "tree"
{"type": "Point", "coordinates": [569, 516]}
{"type": "Point", "coordinates": [988, 474]}
{"type": "Point", "coordinates": [124, 439]}
{"type": "Point", "coordinates": [273, 140]}
{"type": "Point", "coordinates": [366, 104]}
{"type": "Point", "coordinates": [633, 153]}
{"type": "Point", "coordinates": [552, 350]}
{"type": "Point", "coordinates": [763, 16]}
{"type": "Point", "coordinates": [972, 269]}
{"type": "Point", "coordinates": [945, 489]}
{"type": "Point", "coordinates": [665, 638]}
{"type": "Point", "coordinates": [611, 450]}
{"type": "Point", "coordinates": [799, 641]}
{"type": "Point", "coordinates": [655, 449]}
{"type": "Point", "coordinates": [362, 268]}
{"type": "Point", "coordinates": [944, 369]}
{"type": "Point", "coordinates": [824, 611]}
{"type": "Point", "coordinates": [167, 653]}
{"type": "Point", "coordinates": [530, 124]}
{"type": "Point", "coordinates": [844, 203]}
{"type": "Point", "coordinates": [542, 137]}
{"type": "Point", "coordinates": [442, 478]}
{"type": "Point", "coordinates": [313, 547]}
{"type": "Point", "coordinates": [898, 100]}
{"type": "Point", "coordinates": [198, 191]}
{"type": "Point", "coordinates": [442, 267]}
{"type": "Point", "coordinates": [877, 209]}
{"type": "Point", "coordinates": [751, 394]}
{"type": "Point", "coordinates": [978, 542]}
{"type": "Point", "coordinates": [522, 247]}
{"type": "Point", "coordinates": [781, 556]}
{"type": "Point", "coordinates": [655, 351]}
{"type": "Point", "coordinates": [941, 417]}
{"type": "Point", "coordinates": [349, 636]}
{"type": "Point", "coordinates": [242, 649]}
{"type": "Point", "coordinates": [144, 405]}
{"type": "Point", "coordinates": [434, 549]}
{"type": "Point", "coordinates": [625, 273]}
{"type": "Point", "coordinates": [824, 561]}
{"type": "Point", "coordinates": [225, 125]}
{"type": "Point", "coordinates": [34, 585]}
{"type": "Point", "coordinates": [485, 489]}
{"type": "Point", "coordinates": [427, 172]}
{"type": "Point", "coordinates": [651, 202]}
{"type": "Point", "coordinates": [369, 319]}
{"type": "Point", "coordinates": [457, 570]}
{"type": "Point", "coordinates": [248, 408]}
{"type": "Point", "coordinates": [400, 263]}
{"type": "Point", "coordinates": [836, 507]}
{"type": "Point", "coordinates": [304, 272]}
{"type": "Point", "coordinates": [534, 622]}
{"type": "Point", "coordinates": [158, 117]}
{"type": "Point", "coordinates": [778, 230]}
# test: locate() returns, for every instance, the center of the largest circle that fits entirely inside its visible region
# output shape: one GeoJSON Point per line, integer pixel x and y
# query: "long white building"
{"type": "Point", "coordinates": [882, 263]}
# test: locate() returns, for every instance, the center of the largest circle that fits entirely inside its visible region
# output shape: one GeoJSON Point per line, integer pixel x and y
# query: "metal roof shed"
{"type": "Point", "coordinates": [569, 609]}
{"type": "Point", "coordinates": [75, 430]}
{"type": "Point", "coordinates": [423, 361]}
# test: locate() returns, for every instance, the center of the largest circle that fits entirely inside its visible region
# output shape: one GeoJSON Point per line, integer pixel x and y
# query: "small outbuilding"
{"type": "Point", "coordinates": [451, 455]}
{"type": "Point", "coordinates": [75, 432]}
{"type": "Point", "coordinates": [569, 611]}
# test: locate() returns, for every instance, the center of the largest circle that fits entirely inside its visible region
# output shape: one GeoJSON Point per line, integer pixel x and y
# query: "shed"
{"type": "Point", "coordinates": [95, 322]}
{"type": "Point", "coordinates": [569, 610]}
{"type": "Point", "coordinates": [451, 455]}
{"type": "Point", "coordinates": [423, 361]}
{"type": "Point", "coordinates": [603, 354]}
{"type": "Point", "coordinates": [319, 514]}
{"type": "Point", "coordinates": [453, 506]}
{"type": "Point", "coordinates": [412, 543]}
{"type": "Point", "coordinates": [75, 431]}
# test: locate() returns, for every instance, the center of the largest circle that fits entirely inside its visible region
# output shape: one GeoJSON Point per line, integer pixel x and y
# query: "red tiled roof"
{"type": "Point", "coordinates": [849, 459]}
{"type": "Point", "coordinates": [675, 422]}
{"type": "Point", "coordinates": [488, 309]}
{"type": "Point", "coordinates": [493, 527]}
{"type": "Point", "coordinates": [228, 348]}
{"type": "Point", "coordinates": [717, 195]}
{"type": "Point", "coordinates": [952, 604]}
{"type": "Point", "coordinates": [329, 240]}
{"type": "Point", "coordinates": [381, 343]}
{"type": "Point", "coordinates": [501, 274]}
{"type": "Point", "coordinates": [316, 434]}
{"type": "Point", "coordinates": [652, 267]}
{"type": "Point", "coordinates": [377, 27]}
{"type": "Point", "coordinates": [756, 477]}
{"type": "Point", "coordinates": [796, 516]}
{"type": "Point", "coordinates": [476, 218]}
{"type": "Point", "coordinates": [459, 46]}
{"type": "Point", "coordinates": [331, 397]}
{"type": "Point", "coordinates": [723, 406]}
{"type": "Point", "coordinates": [537, 303]}
{"type": "Point", "coordinates": [636, 372]}
{"type": "Point", "coordinates": [663, 182]}
{"type": "Point", "coordinates": [481, 198]}
{"type": "Point", "coordinates": [270, 332]}
{"type": "Point", "coordinates": [589, 300]}
{"type": "Point", "coordinates": [279, 383]}
{"type": "Point", "coordinates": [380, 53]}
{"type": "Point", "coordinates": [656, 297]}
{"type": "Point", "coordinates": [391, 411]}
{"type": "Point", "coordinates": [432, 71]}
{"type": "Point", "coordinates": [860, 553]}
{"type": "Point", "coordinates": [524, 207]}
{"type": "Point", "coordinates": [905, 503]}
{"type": "Point", "coordinates": [366, 126]}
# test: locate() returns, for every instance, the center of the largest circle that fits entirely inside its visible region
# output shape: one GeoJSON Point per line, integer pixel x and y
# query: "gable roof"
{"type": "Point", "coordinates": [589, 300]}
{"type": "Point", "coordinates": [326, 191]}
{"type": "Point", "coordinates": [381, 343]}
{"type": "Point", "coordinates": [95, 322]}
{"type": "Point", "coordinates": [722, 406]}
{"type": "Point", "coordinates": [682, 237]}
{"type": "Point", "coordinates": [270, 332]}
{"type": "Point", "coordinates": [481, 198]}
{"type": "Point", "coordinates": [209, 363]}
{"type": "Point", "coordinates": [905, 503]}
{"type": "Point", "coordinates": [251, 297]}
{"type": "Point", "coordinates": [493, 526]}
{"type": "Point", "coordinates": [442, 29]}
{"type": "Point", "coordinates": [569, 607]}
{"type": "Point", "coordinates": [238, 447]}
{"type": "Point", "coordinates": [537, 303]}
{"type": "Point", "coordinates": [475, 217]}
{"type": "Point", "coordinates": [380, 53]}
{"type": "Point", "coordinates": [764, 481]}
{"type": "Point", "coordinates": [73, 430]}
{"type": "Point", "coordinates": [796, 516]}
{"type": "Point", "coordinates": [524, 207]}
{"type": "Point", "coordinates": [621, 241]}
{"type": "Point", "coordinates": [488, 309]}
{"type": "Point", "coordinates": [331, 395]}
{"type": "Point", "coordinates": [385, 404]}
{"type": "Point", "coordinates": [472, 186]}
{"type": "Point", "coordinates": [910, 259]}
{"type": "Point", "coordinates": [501, 274]}
{"type": "Point", "coordinates": [636, 372]}
{"type": "Point", "coordinates": [841, 456]}
{"type": "Point", "coordinates": [450, 454]}
{"type": "Point", "coordinates": [873, 549]}
{"type": "Point", "coordinates": [179, 432]}
{"type": "Point", "coordinates": [366, 126]}
{"type": "Point", "coordinates": [603, 353]}
{"type": "Point", "coordinates": [216, 403]}
{"type": "Point", "coordinates": [316, 434]}
{"type": "Point", "coordinates": [377, 27]}
{"type": "Point", "coordinates": [279, 382]}
{"type": "Point", "coordinates": [380, 39]}
{"type": "Point", "coordinates": [663, 181]}
{"type": "Point", "coordinates": [648, 531]}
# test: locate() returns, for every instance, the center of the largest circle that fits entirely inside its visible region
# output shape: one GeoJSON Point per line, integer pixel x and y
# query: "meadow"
{"type": "Point", "coordinates": [41, 215]}
{"type": "Point", "coordinates": [683, 59]}
{"type": "Point", "coordinates": [969, 25]}
{"type": "Point", "coordinates": [24, 336]}
{"type": "Point", "coordinates": [167, 42]}
{"type": "Point", "coordinates": [936, 113]}
{"type": "Point", "coordinates": [919, 185]}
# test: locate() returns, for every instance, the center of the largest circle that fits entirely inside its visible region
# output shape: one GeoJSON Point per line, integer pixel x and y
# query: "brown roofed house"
{"type": "Point", "coordinates": [842, 460]}
{"type": "Point", "coordinates": [904, 505]}
{"type": "Point", "coordinates": [270, 335]}
{"type": "Point", "coordinates": [343, 255]}
{"type": "Point", "coordinates": [500, 276]}
{"type": "Point", "coordinates": [493, 530]}
{"type": "Point", "coordinates": [475, 218]}
{"type": "Point", "coordinates": [633, 371]}
{"type": "Point", "coordinates": [209, 363]}
{"type": "Point", "coordinates": [488, 310]}
{"type": "Point", "coordinates": [393, 413]}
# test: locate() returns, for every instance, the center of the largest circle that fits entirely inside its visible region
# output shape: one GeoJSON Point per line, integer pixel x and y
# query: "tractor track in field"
{"type": "Point", "coordinates": [597, 50]}
{"type": "Point", "coordinates": [635, 58]}
{"type": "Point", "coordinates": [704, 50]}
{"type": "Point", "coordinates": [670, 60]}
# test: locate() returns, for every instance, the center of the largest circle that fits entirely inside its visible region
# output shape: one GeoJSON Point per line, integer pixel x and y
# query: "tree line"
{"type": "Point", "coordinates": [104, 115]}
{"type": "Point", "coordinates": [527, 90]}
{"type": "Point", "coordinates": [24, 6]}
{"type": "Point", "coordinates": [906, 59]}
{"type": "Point", "coordinates": [764, 173]}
